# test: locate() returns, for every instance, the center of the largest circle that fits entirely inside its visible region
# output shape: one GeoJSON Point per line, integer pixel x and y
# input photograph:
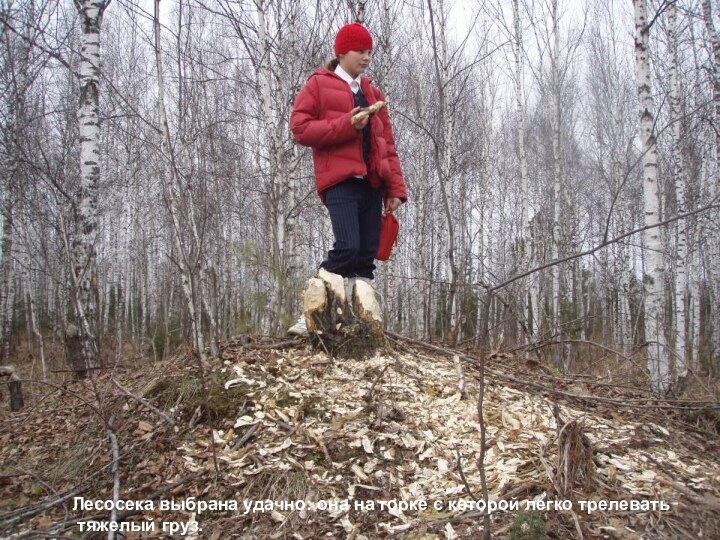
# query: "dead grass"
{"type": "Point", "coordinates": [184, 394]}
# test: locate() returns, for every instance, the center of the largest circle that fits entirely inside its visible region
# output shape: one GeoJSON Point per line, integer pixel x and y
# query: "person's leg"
{"type": "Point", "coordinates": [370, 211]}
{"type": "Point", "coordinates": [343, 203]}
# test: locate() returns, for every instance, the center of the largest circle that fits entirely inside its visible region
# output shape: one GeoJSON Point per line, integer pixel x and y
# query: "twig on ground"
{"type": "Point", "coordinates": [143, 402]}
{"type": "Point", "coordinates": [460, 374]}
{"type": "Point", "coordinates": [370, 395]}
{"type": "Point", "coordinates": [115, 472]}
{"type": "Point", "coordinates": [94, 407]}
{"type": "Point", "coordinates": [13, 517]}
{"type": "Point", "coordinates": [245, 438]}
{"type": "Point", "coordinates": [279, 422]}
{"type": "Point", "coordinates": [462, 474]}
{"type": "Point", "coordinates": [481, 458]}
{"type": "Point", "coordinates": [278, 345]}
{"type": "Point", "coordinates": [577, 525]}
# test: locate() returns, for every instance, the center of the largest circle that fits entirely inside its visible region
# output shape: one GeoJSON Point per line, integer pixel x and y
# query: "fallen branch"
{"type": "Point", "coordinates": [279, 345]}
{"type": "Point", "coordinates": [245, 438]}
{"type": "Point", "coordinates": [10, 518]}
{"type": "Point", "coordinates": [143, 402]}
{"type": "Point", "coordinates": [483, 448]}
{"type": "Point", "coordinates": [462, 474]}
{"type": "Point", "coordinates": [460, 374]}
{"type": "Point", "coordinates": [115, 472]}
{"type": "Point", "coordinates": [648, 403]}
{"type": "Point", "coordinates": [104, 517]}
{"type": "Point", "coordinates": [370, 395]}
{"type": "Point", "coordinates": [70, 392]}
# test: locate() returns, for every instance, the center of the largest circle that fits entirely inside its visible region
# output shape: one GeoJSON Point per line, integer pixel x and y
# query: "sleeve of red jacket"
{"type": "Point", "coordinates": [395, 184]}
{"type": "Point", "coordinates": [309, 129]}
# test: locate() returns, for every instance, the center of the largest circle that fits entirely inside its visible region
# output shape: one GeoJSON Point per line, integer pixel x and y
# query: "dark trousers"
{"type": "Point", "coordinates": [355, 209]}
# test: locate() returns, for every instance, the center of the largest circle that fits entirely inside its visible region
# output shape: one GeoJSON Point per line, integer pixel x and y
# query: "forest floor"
{"type": "Point", "coordinates": [364, 443]}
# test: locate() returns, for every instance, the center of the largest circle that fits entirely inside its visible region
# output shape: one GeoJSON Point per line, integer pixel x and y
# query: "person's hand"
{"type": "Point", "coordinates": [358, 123]}
{"type": "Point", "coordinates": [392, 204]}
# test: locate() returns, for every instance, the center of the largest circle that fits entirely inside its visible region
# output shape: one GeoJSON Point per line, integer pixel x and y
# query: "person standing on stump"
{"type": "Point", "coordinates": [356, 164]}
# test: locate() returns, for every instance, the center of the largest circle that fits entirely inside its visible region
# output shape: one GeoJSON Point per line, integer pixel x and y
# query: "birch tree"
{"type": "Point", "coordinates": [531, 309]}
{"type": "Point", "coordinates": [558, 184]}
{"type": "Point", "coordinates": [654, 274]}
{"type": "Point", "coordinates": [442, 153]}
{"type": "Point", "coordinates": [714, 255]}
{"type": "Point", "coordinates": [198, 120]}
{"type": "Point", "coordinates": [171, 190]}
{"type": "Point", "coordinates": [14, 89]}
{"type": "Point", "coordinates": [679, 183]}
{"type": "Point", "coordinates": [83, 253]}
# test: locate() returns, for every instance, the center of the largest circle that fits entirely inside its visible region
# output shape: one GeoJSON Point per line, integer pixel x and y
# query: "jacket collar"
{"type": "Point", "coordinates": [365, 83]}
{"type": "Point", "coordinates": [323, 71]}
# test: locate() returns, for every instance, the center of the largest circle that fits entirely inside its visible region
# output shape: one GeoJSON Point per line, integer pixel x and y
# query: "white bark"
{"type": "Point", "coordinates": [693, 307]}
{"type": "Point", "coordinates": [16, 67]}
{"type": "Point", "coordinates": [558, 269]}
{"type": "Point", "coordinates": [119, 315]}
{"type": "Point", "coordinates": [654, 278]}
{"type": "Point", "coordinates": [35, 326]}
{"type": "Point", "coordinates": [275, 206]}
{"type": "Point", "coordinates": [83, 254]}
{"type": "Point", "coordinates": [531, 295]}
{"type": "Point", "coordinates": [443, 153]}
{"type": "Point", "coordinates": [714, 252]}
{"type": "Point", "coordinates": [681, 277]}
{"type": "Point", "coordinates": [624, 317]}
{"type": "Point", "coordinates": [290, 172]}
{"type": "Point", "coordinates": [7, 289]}
{"type": "Point", "coordinates": [171, 196]}
{"type": "Point", "coordinates": [715, 43]}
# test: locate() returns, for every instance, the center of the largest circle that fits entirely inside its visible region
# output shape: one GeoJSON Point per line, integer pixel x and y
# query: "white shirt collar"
{"type": "Point", "coordinates": [354, 83]}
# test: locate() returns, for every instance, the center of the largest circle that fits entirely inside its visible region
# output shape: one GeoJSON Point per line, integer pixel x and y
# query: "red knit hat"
{"type": "Point", "coordinates": [352, 37]}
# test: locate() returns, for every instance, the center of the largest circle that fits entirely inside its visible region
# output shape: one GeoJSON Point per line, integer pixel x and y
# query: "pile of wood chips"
{"type": "Point", "coordinates": [400, 427]}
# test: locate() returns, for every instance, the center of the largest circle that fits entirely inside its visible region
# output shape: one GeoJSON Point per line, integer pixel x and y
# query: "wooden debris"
{"type": "Point", "coordinates": [365, 302]}
{"type": "Point", "coordinates": [368, 111]}
{"type": "Point", "coordinates": [15, 386]}
{"type": "Point", "coordinates": [304, 432]}
{"type": "Point", "coordinates": [342, 315]}
{"type": "Point", "coordinates": [575, 466]}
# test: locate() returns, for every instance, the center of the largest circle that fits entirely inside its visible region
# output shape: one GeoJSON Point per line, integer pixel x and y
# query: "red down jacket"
{"type": "Point", "coordinates": [321, 119]}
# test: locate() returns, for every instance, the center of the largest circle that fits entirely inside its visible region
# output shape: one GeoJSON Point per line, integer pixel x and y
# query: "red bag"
{"type": "Point", "coordinates": [389, 229]}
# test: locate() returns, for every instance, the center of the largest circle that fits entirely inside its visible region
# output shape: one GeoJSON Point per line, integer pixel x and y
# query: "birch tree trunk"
{"type": "Point", "coordinates": [529, 286]}
{"type": "Point", "coordinates": [171, 196]}
{"type": "Point", "coordinates": [7, 284]}
{"type": "Point", "coordinates": [290, 170]}
{"type": "Point", "coordinates": [35, 326]}
{"type": "Point", "coordinates": [16, 67]}
{"type": "Point", "coordinates": [654, 276]}
{"type": "Point", "coordinates": [715, 71]}
{"type": "Point", "coordinates": [559, 356]}
{"type": "Point", "coordinates": [7, 288]}
{"type": "Point", "coordinates": [275, 206]}
{"type": "Point", "coordinates": [83, 254]}
{"type": "Point", "coordinates": [715, 245]}
{"type": "Point", "coordinates": [443, 157]}
{"type": "Point", "coordinates": [681, 277]}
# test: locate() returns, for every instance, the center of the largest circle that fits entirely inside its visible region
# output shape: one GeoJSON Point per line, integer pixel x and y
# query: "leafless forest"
{"type": "Point", "coordinates": [561, 159]}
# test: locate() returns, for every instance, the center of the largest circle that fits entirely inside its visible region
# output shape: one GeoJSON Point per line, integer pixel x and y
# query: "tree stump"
{"type": "Point", "coordinates": [15, 386]}
{"type": "Point", "coordinates": [74, 351]}
{"type": "Point", "coordinates": [343, 316]}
